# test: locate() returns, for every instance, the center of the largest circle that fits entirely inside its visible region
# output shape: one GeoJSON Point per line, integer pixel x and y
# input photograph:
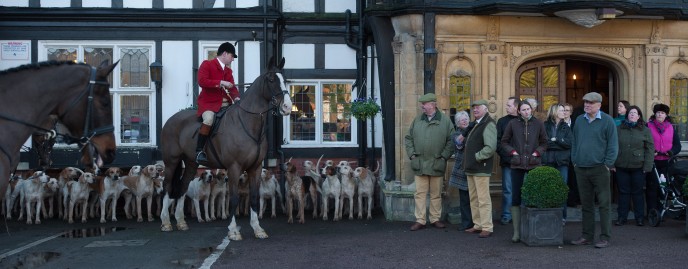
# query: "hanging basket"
{"type": "Point", "coordinates": [364, 108]}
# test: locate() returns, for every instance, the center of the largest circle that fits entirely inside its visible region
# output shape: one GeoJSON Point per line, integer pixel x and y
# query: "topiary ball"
{"type": "Point", "coordinates": [544, 187]}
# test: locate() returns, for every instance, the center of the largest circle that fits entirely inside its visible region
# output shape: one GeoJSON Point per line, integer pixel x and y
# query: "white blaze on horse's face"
{"type": "Point", "coordinates": [285, 108]}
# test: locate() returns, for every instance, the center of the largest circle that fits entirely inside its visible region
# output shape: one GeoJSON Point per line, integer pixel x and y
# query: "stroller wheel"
{"type": "Point", "coordinates": [653, 218]}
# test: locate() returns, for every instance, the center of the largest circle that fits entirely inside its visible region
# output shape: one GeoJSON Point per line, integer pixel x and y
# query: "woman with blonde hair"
{"type": "Point", "coordinates": [559, 141]}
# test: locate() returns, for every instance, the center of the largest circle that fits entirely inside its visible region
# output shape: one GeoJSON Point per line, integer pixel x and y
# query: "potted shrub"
{"type": "Point", "coordinates": [543, 194]}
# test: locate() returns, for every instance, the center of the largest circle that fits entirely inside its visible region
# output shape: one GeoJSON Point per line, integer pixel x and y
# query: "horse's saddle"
{"type": "Point", "coordinates": [218, 117]}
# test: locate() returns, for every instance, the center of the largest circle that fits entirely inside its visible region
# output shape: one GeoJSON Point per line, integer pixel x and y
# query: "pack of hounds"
{"type": "Point", "coordinates": [32, 194]}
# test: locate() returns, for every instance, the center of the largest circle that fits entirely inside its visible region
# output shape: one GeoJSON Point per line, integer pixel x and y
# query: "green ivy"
{"type": "Point", "coordinates": [544, 187]}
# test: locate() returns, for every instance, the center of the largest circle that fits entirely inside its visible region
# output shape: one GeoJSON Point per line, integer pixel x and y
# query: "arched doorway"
{"type": "Point", "coordinates": [566, 80]}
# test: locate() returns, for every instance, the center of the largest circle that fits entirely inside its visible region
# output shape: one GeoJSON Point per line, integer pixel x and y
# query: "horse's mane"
{"type": "Point", "coordinates": [38, 65]}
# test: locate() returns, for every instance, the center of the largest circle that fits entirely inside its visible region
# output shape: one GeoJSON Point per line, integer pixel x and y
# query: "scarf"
{"type": "Point", "coordinates": [661, 126]}
{"type": "Point", "coordinates": [632, 124]}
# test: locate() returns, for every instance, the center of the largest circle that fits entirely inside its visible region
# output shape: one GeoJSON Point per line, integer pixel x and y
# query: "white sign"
{"type": "Point", "coordinates": [15, 50]}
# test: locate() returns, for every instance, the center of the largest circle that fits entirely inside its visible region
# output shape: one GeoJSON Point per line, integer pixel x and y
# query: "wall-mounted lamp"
{"type": "Point", "coordinates": [607, 13]}
{"type": "Point", "coordinates": [156, 73]}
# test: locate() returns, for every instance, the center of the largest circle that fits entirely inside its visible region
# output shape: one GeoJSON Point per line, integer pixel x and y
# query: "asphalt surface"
{"type": "Point", "coordinates": [348, 243]}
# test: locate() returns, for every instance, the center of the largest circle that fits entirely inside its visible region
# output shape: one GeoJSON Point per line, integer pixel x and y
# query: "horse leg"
{"type": "Point", "coordinates": [234, 233]}
{"type": "Point", "coordinates": [165, 213]}
{"type": "Point", "coordinates": [254, 185]}
{"type": "Point", "coordinates": [179, 215]}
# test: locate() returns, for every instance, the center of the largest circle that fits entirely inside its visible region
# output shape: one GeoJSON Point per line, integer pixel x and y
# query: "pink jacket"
{"type": "Point", "coordinates": [663, 140]}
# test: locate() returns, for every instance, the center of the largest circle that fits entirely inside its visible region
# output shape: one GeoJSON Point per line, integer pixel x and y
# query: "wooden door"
{"type": "Point", "coordinates": [544, 81]}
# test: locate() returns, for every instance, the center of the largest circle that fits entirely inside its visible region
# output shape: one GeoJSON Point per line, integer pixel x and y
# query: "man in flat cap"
{"type": "Point", "coordinates": [429, 145]}
{"type": "Point", "coordinates": [594, 151]}
{"type": "Point", "coordinates": [478, 160]}
{"type": "Point", "coordinates": [217, 91]}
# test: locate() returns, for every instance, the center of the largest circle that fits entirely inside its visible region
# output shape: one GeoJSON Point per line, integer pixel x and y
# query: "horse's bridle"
{"type": "Point", "coordinates": [273, 100]}
{"type": "Point", "coordinates": [87, 134]}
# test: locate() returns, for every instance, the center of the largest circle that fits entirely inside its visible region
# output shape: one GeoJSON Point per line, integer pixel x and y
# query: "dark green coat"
{"type": "Point", "coordinates": [636, 147]}
{"type": "Point", "coordinates": [431, 143]}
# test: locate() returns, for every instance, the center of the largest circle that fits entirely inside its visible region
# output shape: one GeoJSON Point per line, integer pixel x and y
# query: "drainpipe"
{"type": "Point", "coordinates": [360, 73]}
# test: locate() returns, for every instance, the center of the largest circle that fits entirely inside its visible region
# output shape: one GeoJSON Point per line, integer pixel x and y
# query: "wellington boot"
{"type": "Point", "coordinates": [516, 221]}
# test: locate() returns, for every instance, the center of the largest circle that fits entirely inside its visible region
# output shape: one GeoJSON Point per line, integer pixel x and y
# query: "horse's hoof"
{"type": "Point", "coordinates": [236, 236]}
{"type": "Point", "coordinates": [166, 228]}
{"type": "Point", "coordinates": [261, 234]}
{"type": "Point", "coordinates": [182, 226]}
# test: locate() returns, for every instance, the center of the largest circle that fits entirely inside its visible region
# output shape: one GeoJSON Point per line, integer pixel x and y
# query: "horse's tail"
{"type": "Point", "coordinates": [176, 184]}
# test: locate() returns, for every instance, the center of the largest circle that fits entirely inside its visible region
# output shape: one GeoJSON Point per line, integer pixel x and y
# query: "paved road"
{"type": "Point", "coordinates": [319, 244]}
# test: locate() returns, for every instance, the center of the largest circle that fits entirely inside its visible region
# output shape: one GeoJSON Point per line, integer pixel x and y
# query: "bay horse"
{"type": "Point", "coordinates": [238, 144]}
{"type": "Point", "coordinates": [77, 94]}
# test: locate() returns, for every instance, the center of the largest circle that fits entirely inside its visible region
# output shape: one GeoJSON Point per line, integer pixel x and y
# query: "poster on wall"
{"type": "Point", "coordinates": [15, 50]}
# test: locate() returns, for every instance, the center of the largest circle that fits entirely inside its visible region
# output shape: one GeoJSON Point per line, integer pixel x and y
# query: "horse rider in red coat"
{"type": "Point", "coordinates": [217, 91]}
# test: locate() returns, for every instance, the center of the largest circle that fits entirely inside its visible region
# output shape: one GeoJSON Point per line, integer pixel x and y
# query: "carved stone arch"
{"type": "Point", "coordinates": [459, 69]}
{"type": "Point", "coordinates": [614, 57]}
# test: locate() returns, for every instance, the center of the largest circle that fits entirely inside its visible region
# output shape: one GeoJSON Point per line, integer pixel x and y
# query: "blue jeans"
{"type": "Point", "coordinates": [506, 193]}
{"type": "Point", "coordinates": [564, 171]}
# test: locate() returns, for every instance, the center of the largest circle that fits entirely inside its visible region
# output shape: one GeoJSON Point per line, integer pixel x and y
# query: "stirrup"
{"type": "Point", "coordinates": [200, 157]}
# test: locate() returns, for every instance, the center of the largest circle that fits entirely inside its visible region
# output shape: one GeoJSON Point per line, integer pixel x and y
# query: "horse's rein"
{"type": "Point", "coordinates": [86, 136]}
{"type": "Point", "coordinates": [68, 138]}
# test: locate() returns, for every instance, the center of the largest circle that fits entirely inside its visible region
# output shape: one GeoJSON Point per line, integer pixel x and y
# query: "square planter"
{"type": "Point", "coordinates": [542, 226]}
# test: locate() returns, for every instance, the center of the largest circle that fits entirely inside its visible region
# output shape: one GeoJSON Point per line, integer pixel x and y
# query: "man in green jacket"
{"type": "Point", "coordinates": [481, 144]}
{"type": "Point", "coordinates": [429, 145]}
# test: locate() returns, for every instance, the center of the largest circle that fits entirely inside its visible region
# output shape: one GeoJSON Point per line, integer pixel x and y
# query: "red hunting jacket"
{"type": "Point", "coordinates": [209, 75]}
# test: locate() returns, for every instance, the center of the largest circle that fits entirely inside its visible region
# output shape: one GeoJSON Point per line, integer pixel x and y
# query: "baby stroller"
{"type": "Point", "coordinates": [671, 192]}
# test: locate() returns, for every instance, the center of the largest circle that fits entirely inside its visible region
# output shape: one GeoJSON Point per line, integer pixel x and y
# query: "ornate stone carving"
{"type": "Point", "coordinates": [492, 47]}
{"type": "Point", "coordinates": [679, 75]}
{"type": "Point", "coordinates": [397, 45]}
{"type": "Point", "coordinates": [419, 45]}
{"type": "Point", "coordinates": [520, 51]}
{"type": "Point", "coordinates": [493, 29]}
{"type": "Point", "coordinates": [440, 47]}
{"type": "Point", "coordinates": [656, 36]}
{"type": "Point", "coordinates": [461, 73]}
{"type": "Point", "coordinates": [655, 50]}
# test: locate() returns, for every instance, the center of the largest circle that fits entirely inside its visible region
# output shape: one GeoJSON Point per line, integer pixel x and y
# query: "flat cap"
{"type": "Point", "coordinates": [593, 97]}
{"type": "Point", "coordinates": [428, 97]}
{"type": "Point", "coordinates": [479, 102]}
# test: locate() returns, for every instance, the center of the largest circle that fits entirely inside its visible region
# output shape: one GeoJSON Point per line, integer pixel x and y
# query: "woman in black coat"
{"type": "Point", "coordinates": [559, 141]}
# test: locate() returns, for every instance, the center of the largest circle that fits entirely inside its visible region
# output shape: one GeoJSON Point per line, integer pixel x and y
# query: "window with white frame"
{"type": "Point", "coordinates": [131, 90]}
{"type": "Point", "coordinates": [321, 114]}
